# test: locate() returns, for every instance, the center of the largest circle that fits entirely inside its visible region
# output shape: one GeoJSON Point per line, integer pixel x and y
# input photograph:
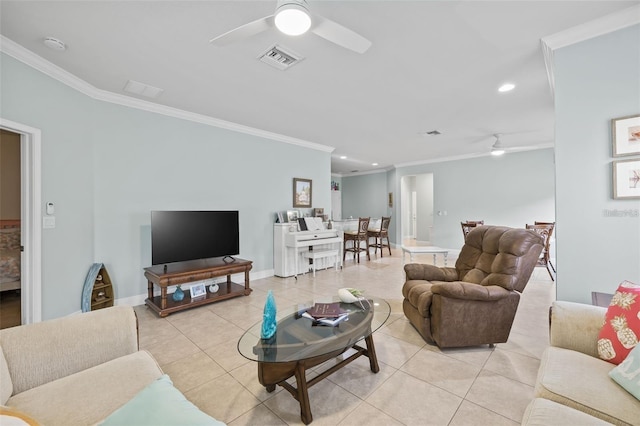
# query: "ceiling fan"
{"type": "Point", "coordinates": [292, 17]}
{"type": "Point", "coordinates": [497, 148]}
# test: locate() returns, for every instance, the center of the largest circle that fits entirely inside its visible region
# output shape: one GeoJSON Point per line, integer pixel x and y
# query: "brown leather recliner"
{"type": "Point", "coordinates": [475, 302]}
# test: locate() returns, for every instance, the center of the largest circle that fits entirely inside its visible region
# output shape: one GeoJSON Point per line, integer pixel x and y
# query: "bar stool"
{"type": "Point", "coordinates": [357, 237]}
{"type": "Point", "coordinates": [380, 235]}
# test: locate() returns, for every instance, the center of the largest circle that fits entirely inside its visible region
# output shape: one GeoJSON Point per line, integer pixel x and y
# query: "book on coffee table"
{"type": "Point", "coordinates": [326, 310]}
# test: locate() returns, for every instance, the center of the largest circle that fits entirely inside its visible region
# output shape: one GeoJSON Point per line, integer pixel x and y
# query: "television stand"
{"type": "Point", "coordinates": [177, 273]}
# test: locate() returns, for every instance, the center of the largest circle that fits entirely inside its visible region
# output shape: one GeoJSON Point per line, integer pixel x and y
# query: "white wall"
{"type": "Point", "coordinates": [512, 190]}
{"type": "Point", "coordinates": [596, 80]}
{"type": "Point", "coordinates": [106, 166]}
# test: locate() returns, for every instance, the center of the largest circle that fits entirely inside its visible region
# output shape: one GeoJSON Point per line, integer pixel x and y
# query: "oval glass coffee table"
{"type": "Point", "coordinates": [299, 345]}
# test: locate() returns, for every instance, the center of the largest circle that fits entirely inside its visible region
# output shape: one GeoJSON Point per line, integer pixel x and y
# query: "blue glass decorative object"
{"type": "Point", "coordinates": [269, 317]}
{"type": "Point", "coordinates": [178, 295]}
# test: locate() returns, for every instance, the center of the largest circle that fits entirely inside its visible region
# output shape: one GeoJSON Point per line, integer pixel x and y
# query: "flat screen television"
{"type": "Point", "coordinates": [178, 236]}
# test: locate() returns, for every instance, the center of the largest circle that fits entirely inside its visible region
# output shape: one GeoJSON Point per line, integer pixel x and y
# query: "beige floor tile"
{"type": "Point", "coordinates": [525, 344]}
{"type": "Point", "coordinates": [403, 330]}
{"type": "Point", "coordinates": [414, 402]}
{"type": "Point", "coordinates": [513, 365]}
{"type": "Point", "coordinates": [258, 416]}
{"type": "Point", "coordinates": [247, 376]}
{"type": "Point", "coordinates": [393, 351]}
{"type": "Point", "coordinates": [366, 414]}
{"type": "Point", "coordinates": [227, 355]}
{"type": "Point", "coordinates": [476, 355]}
{"type": "Point", "coordinates": [501, 395]}
{"type": "Point", "coordinates": [470, 414]}
{"type": "Point", "coordinates": [192, 371]}
{"type": "Point", "coordinates": [223, 398]}
{"type": "Point", "coordinates": [329, 403]}
{"type": "Point", "coordinates": [172, 349]}
{"type": "Point", "coordinates": [442, 371]}
{"type": "Point", "coordinates": [358, 378]}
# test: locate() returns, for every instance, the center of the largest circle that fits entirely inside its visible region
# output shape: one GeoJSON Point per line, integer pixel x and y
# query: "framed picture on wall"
{"type": "Point", "coordinates": [301, 192]}
{"type": "Point", "coordinates": [626, 179]}
{"type": "Point", "coordinates": [625, 132]}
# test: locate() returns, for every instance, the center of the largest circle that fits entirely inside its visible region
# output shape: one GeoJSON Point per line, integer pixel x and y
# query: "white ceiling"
{"type": "Point", "coordinates": [433, 65]}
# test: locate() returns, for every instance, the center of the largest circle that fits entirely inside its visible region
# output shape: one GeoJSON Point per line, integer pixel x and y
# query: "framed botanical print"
{"type": "Point", "coordinates": [625, 132]}
{"type": "Point", "coordinates": [626, 179]}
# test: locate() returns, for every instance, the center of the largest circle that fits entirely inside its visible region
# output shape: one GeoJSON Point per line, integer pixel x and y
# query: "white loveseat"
{"type": "Point", "coordinates": [80, 369]}
{"type": "Point", "coordinates": [573, 385]}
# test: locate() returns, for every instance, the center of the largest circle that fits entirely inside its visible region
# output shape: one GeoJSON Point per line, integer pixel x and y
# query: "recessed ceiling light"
{"type": "Point", "coordinates": [54, 43]}
{"type": "Point", "coordinates": [507, 87]}
{"type": "Point", "coordinates": [374, 164]}
{"type": "Point", "coordinates": [343, 157]}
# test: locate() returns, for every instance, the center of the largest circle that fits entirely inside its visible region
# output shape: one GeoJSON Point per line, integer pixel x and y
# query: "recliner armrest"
{"type": "Point", "coordinates": [422, 271]}
{"type": "Point", "coordinates": [469, 291]}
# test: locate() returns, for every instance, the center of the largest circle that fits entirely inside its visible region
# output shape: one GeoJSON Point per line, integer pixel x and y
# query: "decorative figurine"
{"type": "Point", "coordinates": [178, 295]}
{"type": "Point", "coordinates": [269, 317]}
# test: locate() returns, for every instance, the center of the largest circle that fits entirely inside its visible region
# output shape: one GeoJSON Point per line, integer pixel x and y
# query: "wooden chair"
{"type": "Point", "coordinates": [357, 237]}
{"type": "Point", "coordinates": [553, 226]}
{"type": "Point", "coordinates": [380, 235]}
{"type": "Point", "coordinates": [469, 225]}
{"type": "Point", "coordinates": [545, 231]}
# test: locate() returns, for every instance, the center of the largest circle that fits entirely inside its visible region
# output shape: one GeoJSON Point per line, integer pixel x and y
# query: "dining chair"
{"type": "Point", "coordinates": [545, 232]}
{"type": "Point", "coordinates": [357, 237]}
{"type": "Point", "coordinates": [380, 235]}
{"type": "Point", "coordinates": [469, 225]}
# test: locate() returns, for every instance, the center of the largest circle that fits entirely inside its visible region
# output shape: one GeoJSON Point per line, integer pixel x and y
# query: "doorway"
{"type": "Point", "coordinates": [29, 242]}
{"type": "Point", "coordinates": [417, 209]}
{"type": "Point", "coordinates": [10, 242]}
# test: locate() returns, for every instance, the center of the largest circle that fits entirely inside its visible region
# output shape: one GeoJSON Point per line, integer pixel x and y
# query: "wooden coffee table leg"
{"type": "Point", "coordinates": [303, 394]}
{"type": "Point", "coordinates": [371, 353]}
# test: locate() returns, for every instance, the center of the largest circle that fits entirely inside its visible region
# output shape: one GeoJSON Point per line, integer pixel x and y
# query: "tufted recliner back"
{"type": "Point", "coordinates": [497, 255]}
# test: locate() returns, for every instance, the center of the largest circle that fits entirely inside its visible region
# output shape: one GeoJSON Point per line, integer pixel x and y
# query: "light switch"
{"type": "Point", "coordinates": [49, 222]}
{"type": "Point", "coordinates": [50, 209]}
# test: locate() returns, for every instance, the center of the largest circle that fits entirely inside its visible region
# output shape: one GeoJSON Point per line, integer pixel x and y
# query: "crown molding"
{"type": "Point", "coordinates": [606, 24]}
{"type": "Point", "coordinates": [514, 150]}
{"type": "Point", "coordinates": [36, 62]}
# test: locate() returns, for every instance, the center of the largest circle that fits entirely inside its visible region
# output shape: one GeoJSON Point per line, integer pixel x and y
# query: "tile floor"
{"type": "Point", "coordinates": [418, 384]}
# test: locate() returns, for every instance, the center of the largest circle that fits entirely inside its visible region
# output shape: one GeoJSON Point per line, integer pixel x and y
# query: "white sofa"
{"type": "Point", "coordinates": [573, 386]}
{"type": "Point", "coordinates": [79, 370]}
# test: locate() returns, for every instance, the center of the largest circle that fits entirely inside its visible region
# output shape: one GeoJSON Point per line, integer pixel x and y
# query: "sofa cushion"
{"type": "Point", "coordinates": [89, 396]}
{"type": "Point", "coordinates": [159, 404]}
{"type": "Point", "coordinates": [543, 412]}
{"type": "Point", "coordinates": [627, 374]}
{"type": "Point", "coordinates": [582, 382]}
{"type": "Point", "coordinates": [620, 331]}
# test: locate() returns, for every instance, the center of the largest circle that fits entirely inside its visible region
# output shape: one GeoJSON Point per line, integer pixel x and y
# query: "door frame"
{"type": "Point", "coordinates": [30, 219]}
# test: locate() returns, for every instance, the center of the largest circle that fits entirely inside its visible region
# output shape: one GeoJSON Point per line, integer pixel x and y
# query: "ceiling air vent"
{"type": "Point", "coordinates": [280, 58]}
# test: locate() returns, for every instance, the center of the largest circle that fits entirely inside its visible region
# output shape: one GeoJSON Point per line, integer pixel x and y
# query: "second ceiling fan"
{"type": "Point", "coordinates": [292, 17]}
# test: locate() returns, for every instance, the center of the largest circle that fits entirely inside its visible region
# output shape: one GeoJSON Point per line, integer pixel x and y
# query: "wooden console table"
{"type": "Point", "coordinates": [192, 271]}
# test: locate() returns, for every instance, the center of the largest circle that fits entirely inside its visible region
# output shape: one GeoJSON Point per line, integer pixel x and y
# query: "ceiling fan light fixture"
{"type": "Point", "coordinates": [507, 87]}
{"type": "Point", "coordinates": [496, 152]}
{"type": "Point", "coordinates": [292, 18]}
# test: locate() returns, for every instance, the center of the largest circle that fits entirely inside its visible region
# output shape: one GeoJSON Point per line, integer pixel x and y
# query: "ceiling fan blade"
{"type": "Point", "coordinates": [244, 31]}
{"type": "Point", "coordinates": [339, 35]}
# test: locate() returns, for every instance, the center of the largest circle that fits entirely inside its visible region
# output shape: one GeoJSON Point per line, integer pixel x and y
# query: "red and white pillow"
{"type": "Point", "coordinates": [621, 330]}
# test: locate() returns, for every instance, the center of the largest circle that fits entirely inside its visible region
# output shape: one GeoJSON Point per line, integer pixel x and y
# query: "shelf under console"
{"type": "Point", "coordinates": [193, 271]}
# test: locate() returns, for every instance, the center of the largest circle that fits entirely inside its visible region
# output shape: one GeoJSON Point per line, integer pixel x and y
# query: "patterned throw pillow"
{"type": "Point", "coordinates": [627, 374]}
{"type": "Point", "coordinates": [621, 330]}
